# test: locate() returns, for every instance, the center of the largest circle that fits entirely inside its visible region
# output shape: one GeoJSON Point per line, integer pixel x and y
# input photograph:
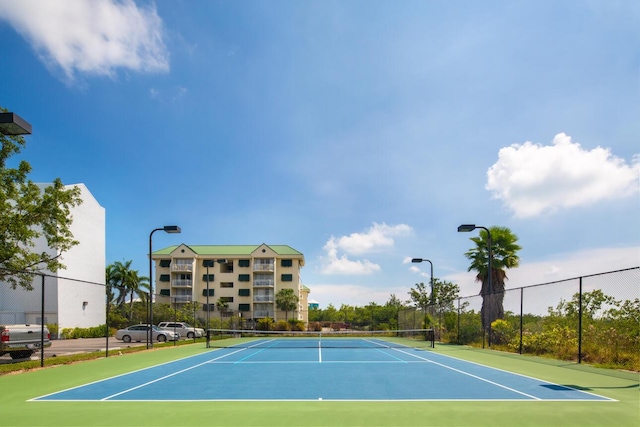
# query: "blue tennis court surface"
{"type": "Point", "coordinates": [261, 371]}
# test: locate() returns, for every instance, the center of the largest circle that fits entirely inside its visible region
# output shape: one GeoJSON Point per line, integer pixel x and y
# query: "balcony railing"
{"type": "Point", "coordinates": [181, 267]}
{"type": "Point", "coordinates": [263, 283]}
{"type": "Point", "coordinates": [181, 298]}
{"type": "Point", "coordinates": [182, 283]}
{"type": "Point", "coordinates": [263, 267]}
{"type": "Point", "coordinates": [263, 298]}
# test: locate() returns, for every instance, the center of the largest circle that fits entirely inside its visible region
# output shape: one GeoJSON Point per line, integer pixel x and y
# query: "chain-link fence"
{"type": "Point", "coordinates": [594, 318]}
{"type": "Point", "coordinates": [58, 304]}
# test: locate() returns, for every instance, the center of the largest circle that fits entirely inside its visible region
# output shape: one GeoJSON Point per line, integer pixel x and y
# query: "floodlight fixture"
{"type": "Point", "coordinates": [12, 124]}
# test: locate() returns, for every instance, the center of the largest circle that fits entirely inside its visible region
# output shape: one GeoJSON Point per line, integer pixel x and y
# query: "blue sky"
{"type": "Point", "coordinates": [361, 133]}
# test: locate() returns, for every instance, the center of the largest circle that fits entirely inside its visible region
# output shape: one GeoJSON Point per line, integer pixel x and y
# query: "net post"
{"type": "Point", "coordinates": [208, 338]}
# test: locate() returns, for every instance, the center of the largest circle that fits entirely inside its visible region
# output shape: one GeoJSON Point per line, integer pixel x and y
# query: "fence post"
{"type": "Point", "coordinates": [458, 321]}
{"type": "Point", "coordinates": [580, 321]}
{"type": "Point", "coordinates": [521, 317]}
{"type": "Point", "coordinates": [42, 325]}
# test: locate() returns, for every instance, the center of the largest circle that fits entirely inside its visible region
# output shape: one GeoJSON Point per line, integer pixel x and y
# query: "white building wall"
{"type": "Point", "coordinates": [67, 292]}
{"type": "Point", "coordinates": [81, 303]}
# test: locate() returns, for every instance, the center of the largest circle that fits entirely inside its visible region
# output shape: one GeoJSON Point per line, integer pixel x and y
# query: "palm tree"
{"type": "Point", "coordinates": [222, 305]}
{"type": "Point", "coordinates": [111, 281]}
{"type": "Point", "coordinates": [286, 300]}
{"type": "Point", "coordinates": [136, 285]}
{"type": "Point", "coordinates": [129, 283]}
{"type": "Point", "coordinates": [504, 256]}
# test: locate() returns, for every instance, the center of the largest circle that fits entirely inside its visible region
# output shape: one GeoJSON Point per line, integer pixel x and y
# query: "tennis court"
{"type": "Point", "coordinates": [310, 368]}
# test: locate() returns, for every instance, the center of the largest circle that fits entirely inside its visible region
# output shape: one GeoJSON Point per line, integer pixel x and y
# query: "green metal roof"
{"type": "Point", "coordinates": [240, 250]}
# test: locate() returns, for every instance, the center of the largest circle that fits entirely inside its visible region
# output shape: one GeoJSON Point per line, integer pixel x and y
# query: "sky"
{"type": "Point", "coordinates": [361, 133]}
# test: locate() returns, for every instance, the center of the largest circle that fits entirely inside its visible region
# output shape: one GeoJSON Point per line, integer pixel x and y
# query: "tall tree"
{"type": "Point", "coordinates": [111, 282]}
{"type": "Point", "coordinates": [286, 300]}
{"type": "Point", "coordinates": [504, 251]}
{"type": "Point", "coordinates": [420, 296]}
{"type": "Point", "coordinates": [29, 213]}
{"type": "Point", "coordinates": [129, 283]}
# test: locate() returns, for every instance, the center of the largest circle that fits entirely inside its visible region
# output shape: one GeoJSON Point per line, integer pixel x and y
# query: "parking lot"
{"type": "Point", "coordinates": [80, 345]}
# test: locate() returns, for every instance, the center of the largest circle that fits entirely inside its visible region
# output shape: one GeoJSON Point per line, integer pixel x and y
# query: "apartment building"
{"type": "Point", "coordinates": [246, 277]}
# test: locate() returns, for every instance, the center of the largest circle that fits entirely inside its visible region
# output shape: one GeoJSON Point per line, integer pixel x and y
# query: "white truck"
{"type": "Point", "coordinates": [184, 329]}
{"type": "Point", "coordinates": [21, 341]}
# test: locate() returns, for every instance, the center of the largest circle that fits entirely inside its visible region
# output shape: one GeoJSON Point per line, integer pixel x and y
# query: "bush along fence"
{"type": "Point", "coordinates": [593, 319]}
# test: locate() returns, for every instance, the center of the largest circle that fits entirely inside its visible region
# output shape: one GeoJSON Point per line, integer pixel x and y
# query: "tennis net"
{"type": "Point", "coordinates": [241, 338]}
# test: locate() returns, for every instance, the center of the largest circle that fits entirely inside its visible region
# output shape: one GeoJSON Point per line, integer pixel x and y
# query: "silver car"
{"type": "Point", "coordinates": [140, 333]}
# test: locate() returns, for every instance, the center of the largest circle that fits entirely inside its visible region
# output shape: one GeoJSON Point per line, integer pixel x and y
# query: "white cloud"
{"type": "Point", "coordinates": [532, 179]}
{"type": "Point", "coordinates": [90, 36]}
{"type": "Point", "coordinates": [332, 264]}
{"type": "Point", "coordinates": [377, 238]}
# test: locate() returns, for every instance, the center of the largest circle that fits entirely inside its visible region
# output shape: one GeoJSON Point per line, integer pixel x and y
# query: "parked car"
{"type": "Point", "coordinates": [140, 333]}
{"type": "Point", "coordinates": [183, 328]}
{"type": "Point", "coordinates": [22, 341]}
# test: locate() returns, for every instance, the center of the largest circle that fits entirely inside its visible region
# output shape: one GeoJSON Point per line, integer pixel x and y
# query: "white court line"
{"type": "Point", "coordinates": [170, 375]}
{"type": "Point", "coordinates": [502, 370]}
{"type": "Point", "coordinates": [470, 374]}
{"type": "Point", "coordinates": [118, 376]}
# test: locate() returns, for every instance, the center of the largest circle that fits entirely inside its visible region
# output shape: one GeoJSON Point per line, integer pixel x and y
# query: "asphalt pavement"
{"type": "Point", "coordinates": [75, 346]}
{"type": "Point", "coordinates": [85, 345]}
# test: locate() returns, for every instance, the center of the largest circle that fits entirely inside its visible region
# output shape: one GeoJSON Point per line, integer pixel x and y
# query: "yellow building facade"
{"type": "Point", "coordinates": [231, 280]}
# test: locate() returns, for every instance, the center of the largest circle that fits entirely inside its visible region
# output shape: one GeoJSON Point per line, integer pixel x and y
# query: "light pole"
{"type": "Point", "coordinates": [419, 260]}
{"type": "Point", "coordinates": [465, 228]}
{"type": "Point", "coordinates": [209, 263]}
{"type": "Point", "coordinates": [166, 229]}
{"type": "Point", "coordinates": [431, 297]}
{"type": "Point", "coordinates": [13, 124]}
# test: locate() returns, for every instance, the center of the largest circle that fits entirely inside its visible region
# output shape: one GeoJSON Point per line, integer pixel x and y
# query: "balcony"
{"type": "Point", "coordinates": [181, 267]}
{"type": "Point", "coordinates": [263, 267]}
{"type": "Point", "coordinates": [182, 283]}
{"type": "Point", "coordinates": [263, 298]}
{"type": "Point", "coordinates": [181, 298]}
{"type": "Point", "coordinates": [263, 283]}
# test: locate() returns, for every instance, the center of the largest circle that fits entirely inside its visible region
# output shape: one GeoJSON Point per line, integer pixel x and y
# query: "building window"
{"type": "Point", "coordinates": [244, 292]}
{"type": "Point", "coordinates": [226, 299]}
{"type": "Point", "coordinates": [286, 263]}
{"type": "Point", "coordinates": [286, 277]}
{"type": "Point", "coordinates": [244, 263]}
{"type": "Point", "coordinates": [226, 267]}
{"type": "Point", "coordinates": [204, 292]}
{"type": "Point", "coordinates": [207, 263]}
{"type": "Point", "coordinates": [204, 277]}
{"type": "Point", "coordinates": [208, 307]}
{"type": "Point", "coordinates": [165, 262]}
{"type": "Point", "coordinates": [226, 284]}
{"type": "Point", "coordinates": [165, 292]}
{"type": "Point", "coordinates": [244, 307]}
{"type": "Point", "coordinates": [244, 277]}
{"type": "Point", "coordinates": [165, 278]}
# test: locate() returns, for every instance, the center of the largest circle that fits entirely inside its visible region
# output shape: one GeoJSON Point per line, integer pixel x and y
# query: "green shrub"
{"type": "Point", "coordinates": [281, 325]}
{"type": "Point", "coordinates": [296, 325]}
{"type": "Point", "coordinates": [93, 332]}
{"type": "Point", "coordinates": [264, 324]}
